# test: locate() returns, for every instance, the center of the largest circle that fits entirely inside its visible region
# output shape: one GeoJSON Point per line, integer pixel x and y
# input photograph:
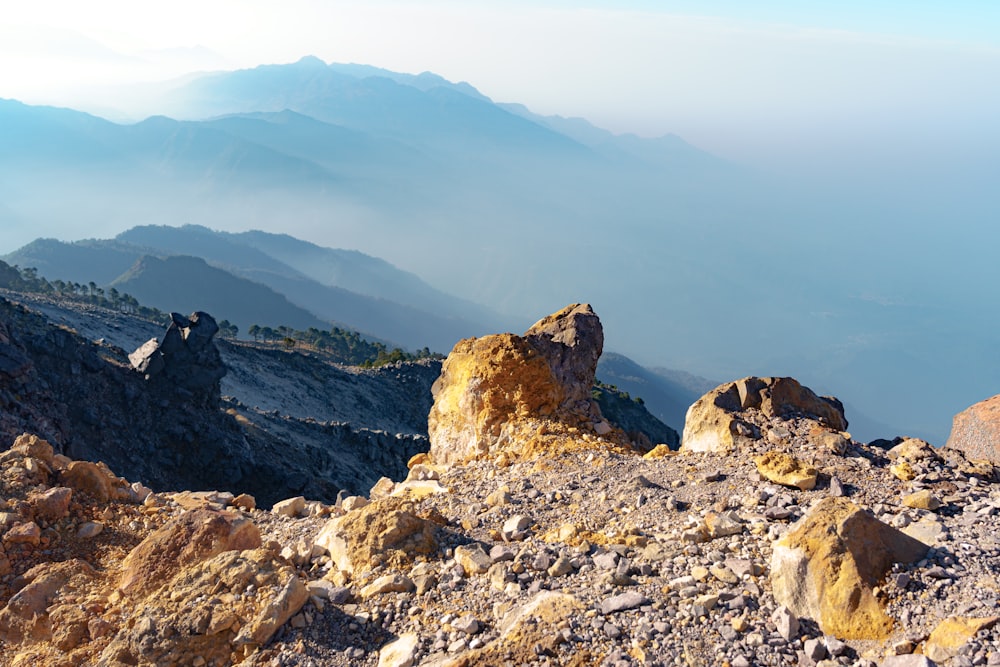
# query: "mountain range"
{"type": "Point", "coordinates": [694, 263]}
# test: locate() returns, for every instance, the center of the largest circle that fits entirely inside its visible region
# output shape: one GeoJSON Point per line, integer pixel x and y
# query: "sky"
{"type": "Point", "coordinates": [776, 81]}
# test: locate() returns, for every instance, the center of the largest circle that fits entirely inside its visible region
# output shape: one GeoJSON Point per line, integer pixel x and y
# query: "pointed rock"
{"type": "Point", "coordinates": [826, 567]}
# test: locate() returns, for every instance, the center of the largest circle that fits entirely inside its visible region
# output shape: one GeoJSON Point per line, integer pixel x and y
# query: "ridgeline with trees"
{"type": "Point", "coordinates": [338, 345]}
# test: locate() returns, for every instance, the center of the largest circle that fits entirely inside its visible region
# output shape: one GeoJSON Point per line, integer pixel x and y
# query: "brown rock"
{"type": "Point", "coordinates": [385, 531]}
{"type": "Point", "coordinates": [89, 478]}
{"type": "Point", "coordinates": [26, 619]}
{"type": "Point", "coordinates": [193, 536]}
{"type": "Point", "coordinates": [52, 504]}
{"type": "Point", "coordinates": [520, 395]}
{"type": "Point", "coordinates": [23, 533]}
{"type": "Point", "coordinates": [976, 431]}
{"type": "Point", "coordinates": [786, 470]}
{"type": "Point", "coordinates": [33, 446]}
{"type": "Point", "coordinates": [827, 566]}
{"type": "Point", "coordinates": [714, 422]}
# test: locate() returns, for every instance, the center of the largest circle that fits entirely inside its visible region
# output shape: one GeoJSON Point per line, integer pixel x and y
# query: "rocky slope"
{"type": "Point", "coordinates": [266, 433]}
{"type": "Point", "coordinates": [785, 542]}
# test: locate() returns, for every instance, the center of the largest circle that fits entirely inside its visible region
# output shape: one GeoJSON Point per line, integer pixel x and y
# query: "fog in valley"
{"type": "Point", "coordinates": [843, 234]}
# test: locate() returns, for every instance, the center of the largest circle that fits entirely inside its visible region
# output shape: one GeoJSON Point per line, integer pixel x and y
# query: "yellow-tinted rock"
{"type": "Point", "coordinates": [385, 530]}
{"type": "Point", "coordinates": [913, 449]}
{"type": "Point", "coordinates": [948, 638]}
{"type": "Point", "coordinates": [902, 470]}
{"type": "Point", "coordinates": [418, 459]}
{"type": "Point", "coordinates": [922, 500]}
{"type": "Point", "coordinates": [714, 422]}
{"type": "Point", "coordinates": [827, 566]}
{"type": "Point", "coordinates": [786, 470]}
{"type": "Point", "coordinates": [208, 613]}
{"type": "Point", "coordinates": [192, 537]}
{"type": "Point", "coordinates": [508, 397]}
{"type": "Point", "coordinates": [658, 452]}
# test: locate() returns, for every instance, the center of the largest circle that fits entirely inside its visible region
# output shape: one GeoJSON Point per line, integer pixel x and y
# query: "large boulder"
{"type": "Point", "coordinates": [976, 431]}
{"type": "Point", "coordinates": [219, 610]}
{"type": "Point", "coordinates": [720, 420]}
{"type": "Point", "coordinates": [385, 532]}
{"type": "Point", "coordinates": [190, 538]}
{"type": "Point", "coordinates": [522, 394]}
{"type": "Point", "coordinates": [186, 357]}
{"type": "Point", "coordinates": [828, 564]}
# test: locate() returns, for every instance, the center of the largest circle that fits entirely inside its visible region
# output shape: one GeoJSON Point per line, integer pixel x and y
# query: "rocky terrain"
{"type": "Point", "coordinates": [532, 532]}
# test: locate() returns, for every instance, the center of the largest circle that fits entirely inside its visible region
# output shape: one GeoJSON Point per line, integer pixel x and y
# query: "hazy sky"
{"type": "Point", "coordinates": [747, 80]}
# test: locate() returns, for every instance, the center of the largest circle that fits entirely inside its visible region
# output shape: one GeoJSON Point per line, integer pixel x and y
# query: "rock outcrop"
{"type": "Point", "coordinates": [118, 576]}
{"type": "Point", "coordinates": [509, 395]}
{"type": "Point", "coordinates": [718, 421]}
{"type": "Point", "coordinates": [827, 566]}
{"type": "Point", "coordinates": [186, 358]}
{"type": "Point", "coordinates": [976, 431]}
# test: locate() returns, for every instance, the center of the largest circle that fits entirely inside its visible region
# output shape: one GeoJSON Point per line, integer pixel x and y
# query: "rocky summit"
{"type": "Point", "coordinates": [533, 532]}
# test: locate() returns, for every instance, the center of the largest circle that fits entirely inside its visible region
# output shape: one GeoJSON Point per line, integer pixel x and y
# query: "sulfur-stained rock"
{"type": "Point", "coordinates": [714, 422]}
{"type": "Point", "coordinates": [922, 500]}
{"type": "Point", "coordinates": [786, 470]}
{"type": "Point", "coordinates": [386, 531]}
{"type": "Point", "coordinates": [520, 395]}
{"type": "Point", "coordinates": [193, 536]}
{"type": "Point", "coordinates": [827, 565]}
{"type": "Point", "coordinates": [210, 613]}
{"type": "Point", "coordinates": [950, 635]}
{"type": "Point", "coordinates": [976, 431]}
{"type": "Point", "coordinates": [902, 470]}
{"type": "Point", "coordinates": [913, 450]}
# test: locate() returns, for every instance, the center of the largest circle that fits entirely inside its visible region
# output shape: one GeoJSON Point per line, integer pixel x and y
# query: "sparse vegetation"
{"type": "Point", "coordinates": [28, 280]}
{"type": "Point", "coordinates": [340, 345]}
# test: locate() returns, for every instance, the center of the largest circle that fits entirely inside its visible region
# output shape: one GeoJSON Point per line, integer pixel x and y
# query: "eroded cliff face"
{"type": "Point", "coordinates": [511, 396]}
{"type": "Point", "coordinates": [159, 416]}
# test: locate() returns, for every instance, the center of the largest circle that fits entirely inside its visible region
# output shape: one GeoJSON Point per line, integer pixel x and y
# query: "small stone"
{"type": "Point", "coordinates": [467, 624]}
{"type": "Point", "coordinates": [25, 533]}
{"type": "Point", "coordinates": [499, 497]}
{"type": "Point", "coordinates": [390, 583]}
{"type": "Point", "coordinates": [814, 649]}
{"type": "Point", "coordinates": [245, 501]}
{"type": "Point", "coordinates": [400, 653]}
{"type": "Point", "coordinates": [622, 602]}
{"type": "Point", "coordinates": [562, 566]}
{"type": "Point", "coordinates": [786, 623]}
{"type": "Point", "coordinates": [290, 507]}
{"type": "Point", "coordinates": [515, 528]}
{"type": "Point", "coordinates": [351, 503]}
{"type": "Point", "coordinates": [473, 559]}
{"type": "Point", "coordinates": [89, 530]}
{"type": "Point", "coordinates": [607, 560]}
{"type": "Point", "coordinates": [922, 500]}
